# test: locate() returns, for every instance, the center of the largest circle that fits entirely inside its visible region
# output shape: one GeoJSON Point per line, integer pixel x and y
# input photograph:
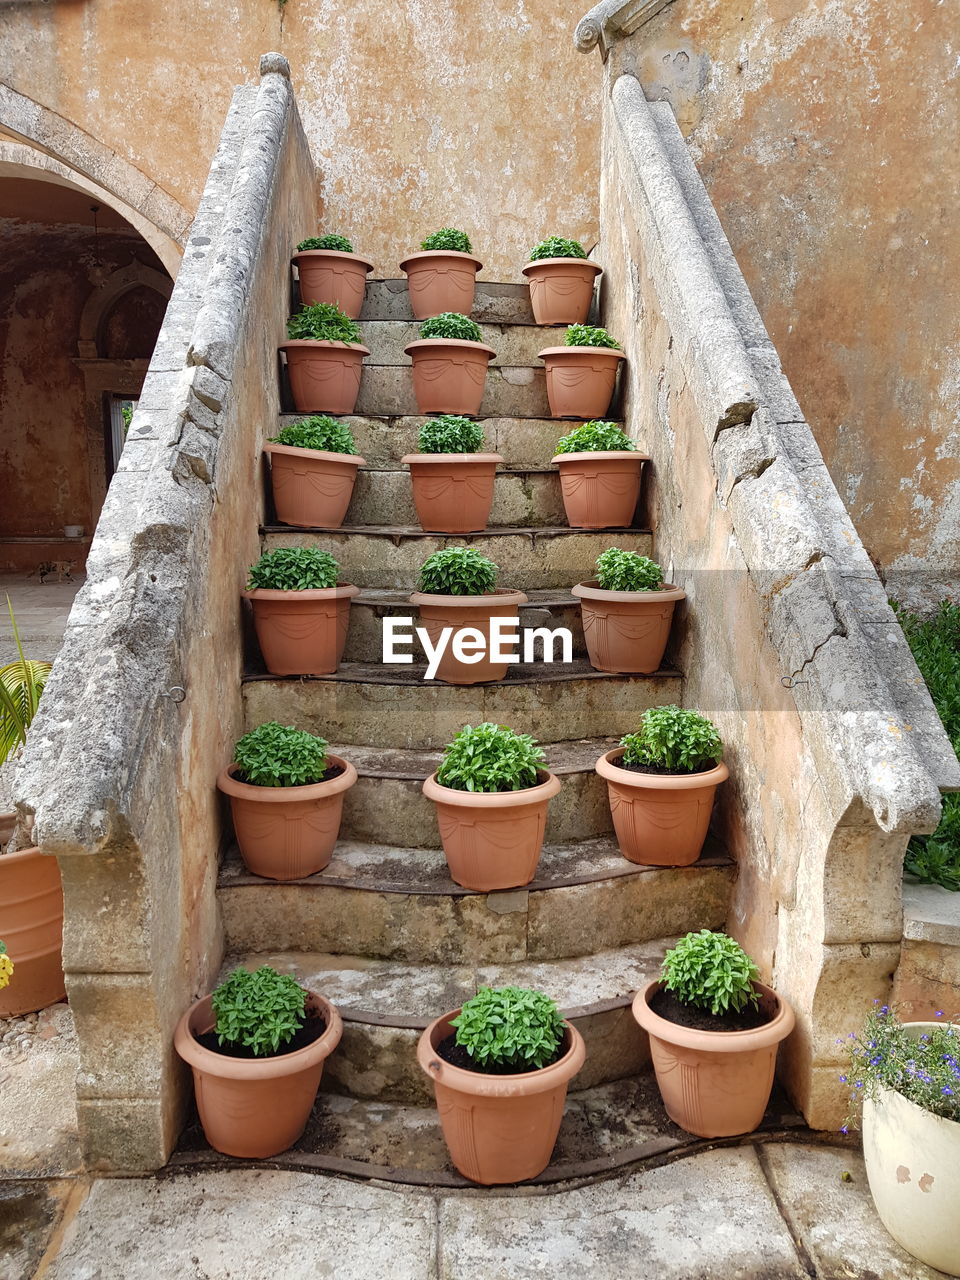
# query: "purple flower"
{"type": "Point", "coordinates": [858, 1084]}
{"type": "Point", "coordinates": [947, 1093]}
{"type": "Point", "coordinates": [844, 1128]}
{"type": "Point", "coordinates": [938, 1014]}
{"type": "Point", "coordinates": [843, 1079]}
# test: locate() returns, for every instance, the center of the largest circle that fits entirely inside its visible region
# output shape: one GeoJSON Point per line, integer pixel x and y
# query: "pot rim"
{"type": "Point", "coordinates": [441, 253]}
{"type": "Point", "coordinates": [333, 253]}
{"type": "Point", "coordinates": [426, 344]}
{"type": "Point", "coordinates": [479, 1084]}
{"type": "Point", "coordinates": [603, 455]}
{"type": "Point", "coordinates": [556, 262]}
{"type": "Point", "coordinates": [345, 590]}
{"type": "Point", "coordinates": [318, 455]}
{"type": "Point", "coordinates": [231, 786]}
{"type": "Point", "coordinates": [499, 596]}
{"type": "Point", "coordinates": [283, 1064]}
{"type": "Point", "coordinates": [543, 791]}
{"type": "Point", "coordinates": [885, 1091]}
{"type": "Point", "coordinates": [322, 344]}
{"type": "Point", "coordinates": [444, 459]}
{"type": "Point", "coordinates": [607, 768]}
{"type": "Point", "coordinates": [591, 590]}
{"type": "Point", "coordinates": [772, 1032]}
{"type": "Point", "coordinates": [23, 855]}
{"type": "Point", "coordinates": [606, 352]}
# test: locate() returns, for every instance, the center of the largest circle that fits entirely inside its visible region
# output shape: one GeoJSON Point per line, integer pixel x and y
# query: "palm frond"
{"type": "Point", "coordinates": [21, 684]}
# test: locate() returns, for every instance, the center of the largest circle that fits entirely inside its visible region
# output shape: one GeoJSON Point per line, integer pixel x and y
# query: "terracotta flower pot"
{"type": "Point", "coordinates": [287, 833]}
{"type": "Point", "coordinates": [438, 611]}
{"type": "Point", "coordinates": [327, 275]}
{"type": "Point", "coordinates": [492, 840]}
{"type": "Point", "coordinates": [254, 1107]}
{"type": "Point", "coordinates": [324, 376]}
{"type": "Point", "coordinates": [449, 375]}
{"type": "Point", "coordinates": [311, 487]}
{"type": "Point", "coordinates": [31, 925]}
{"type": "Point", "coordinates": [715, 1084]}
{"type": "Point", "coordinates": [580, 380]}
{"type": "Point", "coordinates": [441, 280]}
{"type": "Point", "coordinates": [453, 492]}
{"type": "Point", "coordinates": [661, 819]}
{"type": "Point", "coordinates": [499, 1128]}
{"type": "Point", "coordinates": [600, 489]}
{"type": "Point", "coordinates": [626, 630]}
{"type": "Point", "coordinates": [302, 633]}
{"type": "Point", "coordinates": [561, 289]}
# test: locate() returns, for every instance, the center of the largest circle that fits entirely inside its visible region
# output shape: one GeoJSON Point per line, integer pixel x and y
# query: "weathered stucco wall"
{"type": "Point", "coordinates": [422, 114]}
{"type": "Point", "coordinates": [827, 134]}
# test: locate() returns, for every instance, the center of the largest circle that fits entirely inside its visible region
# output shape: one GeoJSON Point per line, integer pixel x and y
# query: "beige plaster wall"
{"type": "Point", "coordinates": [420, 114]}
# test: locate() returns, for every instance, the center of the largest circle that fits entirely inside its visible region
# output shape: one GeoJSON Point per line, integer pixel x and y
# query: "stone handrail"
{"type": "Point", "coordinates": [611, 20]}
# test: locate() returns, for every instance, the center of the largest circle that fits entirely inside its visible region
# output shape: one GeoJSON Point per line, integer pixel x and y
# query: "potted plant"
{"type": "Point", "coordinates": [714, 1029]}
{"type": "Point", "coordinates": [906, 1077]}
{"type": "Point", "coordinates": [661, 783]}
{"type": "Point", "coordinates": [561, 278]}
{"type": "Point", "coordinates": [491, 792]}
{"type": "Point", "coordinates": [300, 614]}
{"type": "Point", "coordinates": [582, 374]}
{"type": "Point", "coordinates": [443, 277]}
{"type": "Point", "coordinates": [331, 272]}
{"type": "Point", "coordinates": [457, 589]}
{"type": "Point", "coordinates": [500, 1067]}
{"type": "Point", "coordinates": [451, 475]}
{"type": "Point", "coordinates": [599, 476]}
{"type": "Point", "coordinates": [626, 611]}
{"type": "Point", "coordinates": [313, 468]}
{"type": "Point", "coordinates": [449, 365]}
{"type": "Point", "coordinates": [256, 1047]}
{"type": "Point", "coordinates": [324, 359]}
{"type": "Point", "coordinates": [286, 799]}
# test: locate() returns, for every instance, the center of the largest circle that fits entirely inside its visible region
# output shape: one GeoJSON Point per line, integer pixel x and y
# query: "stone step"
{"type": "Point", "coordinates": [370, 703]}
{"type": "Point", "coordinates": [529, 499]}
{"type": "Point", "coordinates": [385, 1004]}
{"type": "Point", "coordinates": [395, 903]}
{"type": "Point", "coordinates": [389, 557]}
{"type": "Point", "coordinates": [515, 345]}
{"type": "Point", "coordinates": [494, 303]}
{"type": "Point", "coordinates": [518, 391]}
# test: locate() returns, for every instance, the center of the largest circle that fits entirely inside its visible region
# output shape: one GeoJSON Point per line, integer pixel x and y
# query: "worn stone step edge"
{"type": "Point", "coordinates": [411, 676]}
{"type": "Point", "coordinates": [407, 764]}
{"type": "Point", "coordinates": [401, 533]}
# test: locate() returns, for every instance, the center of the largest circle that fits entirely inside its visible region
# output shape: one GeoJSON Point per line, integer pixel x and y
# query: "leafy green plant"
{"type": "Point", "coordinates": [449, 239]}
{"type": "Point", "coordinates": [21, 684]}
{"type": "Point", "coordinates": [450, 324]}
{"type": "Point", "coordinates": [340, 243]}
{"type": "Point", "coordinates": [260, 1010]}
{"type": "Point", "coordinates": [490, 757]}
{"type": "Point", "coordinates": [674, 739]}
{"type": "Point", "coordinates": [510, 1027]}
{"type": "Point", "coordinates": [710, 971]}
{"type": "Point", "coordinates": [619, 570]}
{"type": "Point", "coordinates": [294, 569]}
{"type": "Point", "coordinates": [317, 432]}
{"type": "Point", "coordinates": [588, 335]}
{"type": "Point", "coordinates": [596, 437]}
{"type": "Point", "coordinates": [277, 755]}
{"type": "Point", "coordinates": [323, 322]}
{"type": "Point", "coordinates": [457, 571]}
{"type": "Point", "coordinates": [449, 433]}
{"type": "Point", "coordinates": [557, 247]}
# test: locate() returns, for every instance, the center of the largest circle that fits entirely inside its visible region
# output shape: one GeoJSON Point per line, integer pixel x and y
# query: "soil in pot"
{"type": "Point", "coordinates": [580, 380]}
{"type": "Point", "coordinates": [449, 375]}
{"type": "Point", "coordinates": [324, 376]}
{"type": "Point", "coordinates": [666, 1005]}
{"type": "Point", "coordinates": [313, 1028]}
{"type": "Point", "coordinates": [328, 275]}
{"type": "Point", "coordinates": [658, 770]}
{"type": "Point", "coordinates": [561, 289]}
{"type": "Point", "coordinates": [441, 280]}
{"type": "Point", "coordinates": [457, 1056]}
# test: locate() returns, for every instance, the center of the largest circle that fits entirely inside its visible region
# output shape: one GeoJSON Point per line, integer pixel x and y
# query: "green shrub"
{"type": "Point", "coordinates": [588, 335]}
{"type": "Point", "coordinates": [340, 243]}
{"type": "Point", "coordinates": [596, 437]}
{"type": "Point", "coordinates": [458, 571]}
{"type": "Point", "coordinates": [449, 433]}
{"type": "Point", "coordinates": [627, 571]}
{"type": "Point", "coordinates": [262, 1010]}
{"type": "Point", "coordinates": [21, 684]}
{"type": "Point", "coordinates": [323, 322]}
{"type": "Point", "coordinates": [710, 971]}
{"type": "Point", "coordinates": [450, 324]}
{"type": "Point", "coordinates": [277, 755]}
{"type": "Point", "coordinates": [449, 239]}
{"type": "Point", "coordinates": [557, 247]}
{"type": "Point", "coordinates": [318, 432]}
{"type": "Point", "coordinates": [508, 1027]}
{"type": "Point", "coordinates": [490, 757]}
{"type": "Point", "coordinates": [675, 739]}
{"type": "Point", "coordinates": [294, 569]}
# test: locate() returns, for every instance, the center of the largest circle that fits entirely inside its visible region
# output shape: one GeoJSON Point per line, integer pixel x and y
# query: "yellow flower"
{"type": "Point", "coordinates": [6, 970]}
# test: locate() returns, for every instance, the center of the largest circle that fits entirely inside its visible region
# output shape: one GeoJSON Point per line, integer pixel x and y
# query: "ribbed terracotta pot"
{"type": "Point", "coordinates": [327, 275]}
{"type": "Point", "coordinates": [287, 833]}
{"type": "Point", "coordinates": [324, 376]}
{"type": "Point", "coordinates": [580, 380]}
{"type": "Point", "coordinates": [448, 375]}
{"type": "Point", "coordinates": [441, 280]}
{"type": "Point", "coordinates": [600, 489]}
{"type": "Point", "coordinates": [438, 611]}
{"type": "Point", "coordinates": [499, 1129]}
{"type": "Point", "coordinates": [561, 289]}
{"type": "Point", "coordinates": [453, 492]}
{"type": "Point", "coordinates": [715, 1084]}
{"type": "Point", "coordinates": [661, 819]}
{"type": "Point", "coordinates": [311, 487]}
{"type": "Point", "coordinates": [302, 633]}
{"type": "Point", "coordinates": [250, 1107]}
{"type": "Point", "coordinates": [492, 840]}
{"type": "Point", "coordinates": [31, 925]}
{"type": "Point", "coordinates": [626, 630]}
